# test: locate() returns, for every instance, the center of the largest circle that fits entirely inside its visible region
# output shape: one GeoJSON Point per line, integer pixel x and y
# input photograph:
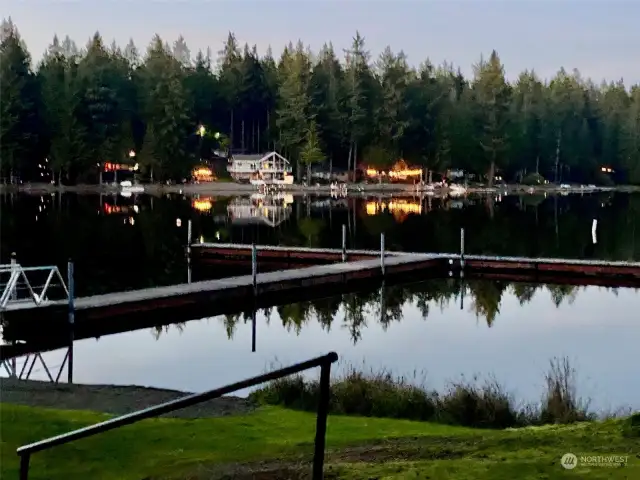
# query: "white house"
{"type": "Point", "coordinates": [271, 168]}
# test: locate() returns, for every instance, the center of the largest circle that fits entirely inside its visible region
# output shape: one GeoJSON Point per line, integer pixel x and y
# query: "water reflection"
{"type": "Point", "coordinates": [385, 306]}
{"type": "Point", "coordinates": [416, 328]}
{"type": "Point", "coordinates": [122, 243]}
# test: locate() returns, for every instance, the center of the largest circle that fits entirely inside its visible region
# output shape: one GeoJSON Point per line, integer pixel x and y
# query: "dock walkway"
{"type": "Point", "coordinates": [230, 295]}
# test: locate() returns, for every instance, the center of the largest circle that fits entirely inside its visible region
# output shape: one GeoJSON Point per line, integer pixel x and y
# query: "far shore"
{"type": "Point", "coordinates": [233, 188]}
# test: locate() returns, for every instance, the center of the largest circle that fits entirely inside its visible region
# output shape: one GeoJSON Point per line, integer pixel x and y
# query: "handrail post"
{"type": "Point", "coordinates": [344, 242]}
{"type": "Point", "coordinates": [24, 466]}
{"type": "Point", "coordinates": [382, 252]}
{"type": "Point", "coordinates": [321, 421]}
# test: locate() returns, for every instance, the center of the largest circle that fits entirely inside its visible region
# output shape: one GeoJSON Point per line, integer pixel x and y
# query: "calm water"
{"type": "Point", "coordinates": [510, 332]}
{"type": "Point", "coordinates": [122, 243]}
{"type": "Point", "coordinates": [437, 327]}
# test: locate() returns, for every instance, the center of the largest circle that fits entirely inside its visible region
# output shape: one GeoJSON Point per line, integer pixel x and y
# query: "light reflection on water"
{"type": "Point", "coordinates": [596, 329]}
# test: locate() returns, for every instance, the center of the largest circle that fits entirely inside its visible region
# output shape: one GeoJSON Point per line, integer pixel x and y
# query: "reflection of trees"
{"type": "Point", "coordinates": [560, 293]}
{"type": "Point", "coordinates": [310, 229]}
{"type": "Point", "coordinates": [385, 305]}
{"type": "Point", "coordinates": [524, 292]}
{"type": "Point", "coordinates": [487, 297]}
{"type": "Point", "coordinates": [353, 305]}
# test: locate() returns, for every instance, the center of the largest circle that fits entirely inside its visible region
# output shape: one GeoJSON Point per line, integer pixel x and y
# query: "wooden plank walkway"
{"type": "Point", "coordinates": [265, 282]}
{"type": "Point", "coordinates": [234, 294]}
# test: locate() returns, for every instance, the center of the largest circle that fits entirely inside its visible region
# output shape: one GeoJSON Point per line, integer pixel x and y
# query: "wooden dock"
{"type": "Point", "coordinates": [210, 297]}
{"type": "Point", "coordinates": [102, 314]}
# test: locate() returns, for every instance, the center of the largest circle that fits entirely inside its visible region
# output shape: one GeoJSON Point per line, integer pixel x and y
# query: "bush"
{"type": "Point", "coordinates": [533, 179]}
{"type": "Point", "coordinates": [472, 404]}
{"type": "Point", "coordinates": [631, 427]}
{"type": "Point", "coordinates": [561, 404]}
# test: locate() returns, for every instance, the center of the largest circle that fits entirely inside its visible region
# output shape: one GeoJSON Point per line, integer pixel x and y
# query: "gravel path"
{"type": "Point", "coordinates": [112, 399]}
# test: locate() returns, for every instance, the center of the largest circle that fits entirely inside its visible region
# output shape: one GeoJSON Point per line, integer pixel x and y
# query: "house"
{"type": "Point", "coordinates": [270, 168]}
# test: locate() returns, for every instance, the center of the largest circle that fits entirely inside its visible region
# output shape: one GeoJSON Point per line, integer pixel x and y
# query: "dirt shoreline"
{"type": "Point", "coordinates": [113, 399]}
{"type": "Point", "coordinates": [232, 189]}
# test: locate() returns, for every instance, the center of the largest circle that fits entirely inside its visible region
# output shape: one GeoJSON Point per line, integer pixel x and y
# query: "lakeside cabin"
{"type": "Point", "coordinates": [260, 169]}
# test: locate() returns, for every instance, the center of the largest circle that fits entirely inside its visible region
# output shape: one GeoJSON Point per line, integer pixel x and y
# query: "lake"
{"type": "Point", "coordinates": [436, 330]}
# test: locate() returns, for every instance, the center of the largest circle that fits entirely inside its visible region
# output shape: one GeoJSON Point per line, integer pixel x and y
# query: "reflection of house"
{"type": "Point", "coordinates": [270, 168]}
{"type": "Point", "coordinates": [270, 210]}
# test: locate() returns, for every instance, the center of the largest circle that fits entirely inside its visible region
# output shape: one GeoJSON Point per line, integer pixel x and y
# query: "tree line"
{"type": "Point", "coordinates": [78, 108]}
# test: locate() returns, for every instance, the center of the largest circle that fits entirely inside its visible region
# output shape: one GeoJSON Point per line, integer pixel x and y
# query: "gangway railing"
{"type": "Point", "coordinates": [19, 281]}
{"type": "Point", "coordinates": [324, 362]}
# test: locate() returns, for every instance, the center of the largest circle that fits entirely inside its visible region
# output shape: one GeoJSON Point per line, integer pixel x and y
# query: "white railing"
{"type": "Point", "coordinates": [19, 280]}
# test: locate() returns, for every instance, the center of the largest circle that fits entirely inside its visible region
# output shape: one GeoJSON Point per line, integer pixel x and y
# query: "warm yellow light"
{"type": "Point", "coordinates": [202, 205]}
{"type": "Point", "coordinates": [203, 174]}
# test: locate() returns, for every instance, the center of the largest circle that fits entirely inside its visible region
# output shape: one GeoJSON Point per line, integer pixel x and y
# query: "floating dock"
{"type": "Point", "coordinates": [339, 271]}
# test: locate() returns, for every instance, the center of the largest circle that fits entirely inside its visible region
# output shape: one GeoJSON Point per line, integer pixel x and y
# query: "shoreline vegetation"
{"type": "Point", "coordinates": [234, 188]}
{"type": "Point", "coordinates": [81, 110]}
{"type": "Point", "coordinates": [479, 402]}
{"type": "Point", "coordinates": [379, 426]}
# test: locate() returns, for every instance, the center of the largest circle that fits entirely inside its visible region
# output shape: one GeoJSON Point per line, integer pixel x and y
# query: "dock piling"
{"type": "Point", "coordinates": [462, 248]}
{"type": "Point", "coordinates": [344, 242]}
{"type": "Point", "coordinates": [14, 267]}
{"type": "Point", "coordinates": [71, 288]}
{"type": "Point", "coordinates": [382, 252]}
{"type": "Point", "coordinates": [254, 267]}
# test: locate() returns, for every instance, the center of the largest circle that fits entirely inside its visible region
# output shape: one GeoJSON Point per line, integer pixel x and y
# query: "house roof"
{"type": "Point", "coordinates": [254, 156]}
{"type": "Point", "coordinates": [259, 156]}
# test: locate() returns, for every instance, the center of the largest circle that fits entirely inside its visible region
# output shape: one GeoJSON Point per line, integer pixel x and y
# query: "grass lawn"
{"type": "Point", "coordinates": [356, 447]}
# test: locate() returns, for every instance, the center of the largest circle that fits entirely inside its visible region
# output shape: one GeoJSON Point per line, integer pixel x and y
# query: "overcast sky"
{"type": "Point", "coordinates": [600, 38]}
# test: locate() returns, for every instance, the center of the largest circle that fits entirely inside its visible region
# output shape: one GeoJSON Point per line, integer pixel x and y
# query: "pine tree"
{"type": "Point", "coordinates": [492, 94]}
{"type": "Point", "coordinates": [311, 151]}
{"type": "Point", "coordinates": [18, 103]}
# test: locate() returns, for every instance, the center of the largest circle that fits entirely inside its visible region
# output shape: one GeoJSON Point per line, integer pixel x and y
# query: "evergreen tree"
{"type": "Point", "coordinates": [492, 97]}
{"type": "Point", "coordinates": [18, 104]}
{"type": "Point", "coordinates": [311, 151]}
{"type": "Point", "coordinates": [85, 107]}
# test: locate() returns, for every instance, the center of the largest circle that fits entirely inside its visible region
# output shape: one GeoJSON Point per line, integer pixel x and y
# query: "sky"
{"type": "Point", "coordinates": [599, 38]}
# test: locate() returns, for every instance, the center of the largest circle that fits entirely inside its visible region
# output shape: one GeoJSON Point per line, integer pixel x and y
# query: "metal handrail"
{"type": "Point", "coordinates": [324, 362]}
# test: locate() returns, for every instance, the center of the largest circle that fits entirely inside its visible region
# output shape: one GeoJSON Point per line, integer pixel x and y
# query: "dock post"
{"type": "Point", "coordinates": [14, 268]}
{"type": "Point", "coordinates": [71, 288]}
{"type": "Point", "coordinates": [254, 268]}
{"type": "Point", "coordinates": [382, 252]}
{"type": "Point", "coordinates": [253, 328]}
{"type": "Point", "coordinates": [189, 233]}
{"type": "Point", "coordinates": [344, 242]}
{"type": "Point", "coordinates": [462, 248]}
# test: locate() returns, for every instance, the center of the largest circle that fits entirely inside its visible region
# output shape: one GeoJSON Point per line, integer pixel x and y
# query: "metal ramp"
{"type": "Point", "coordinates": [30, 285]}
